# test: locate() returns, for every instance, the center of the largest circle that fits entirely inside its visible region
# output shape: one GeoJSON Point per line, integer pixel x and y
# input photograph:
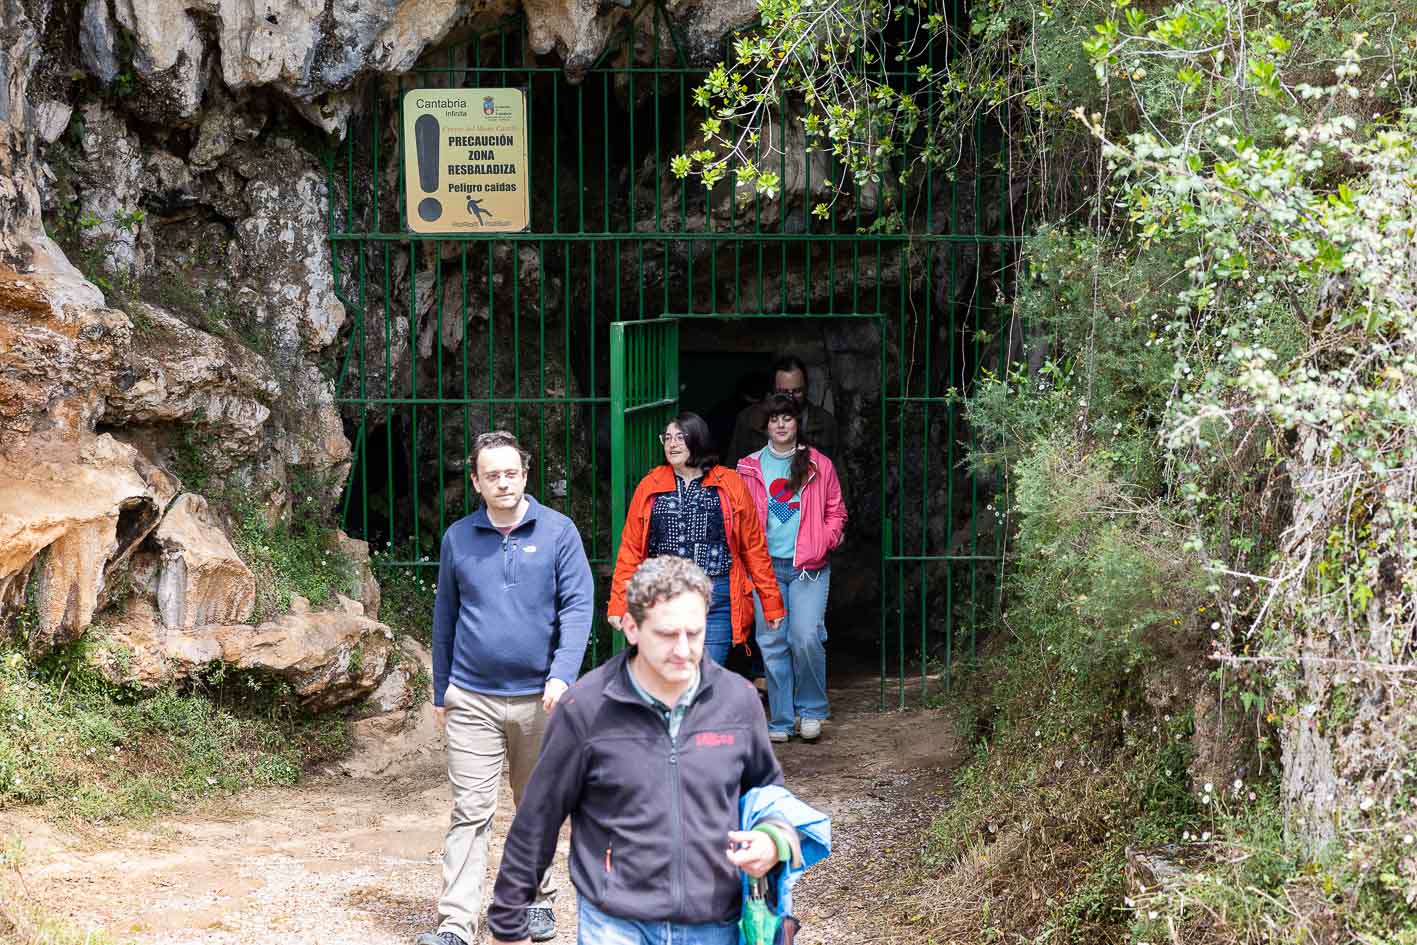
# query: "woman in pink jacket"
{"type": "Point", "coordinates": [798, 498]}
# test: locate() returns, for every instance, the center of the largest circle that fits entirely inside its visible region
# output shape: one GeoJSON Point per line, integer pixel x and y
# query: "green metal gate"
{"type": "Point", "coordinates": [644, 397]}
{"type": "Point", "coordinates": [449, 336]}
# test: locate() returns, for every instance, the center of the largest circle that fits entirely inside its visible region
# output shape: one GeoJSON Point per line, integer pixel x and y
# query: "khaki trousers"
{"type": "Point", "coordinates": [482, 731]}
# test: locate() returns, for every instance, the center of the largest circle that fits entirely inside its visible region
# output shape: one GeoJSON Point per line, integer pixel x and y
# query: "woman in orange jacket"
{"type": "Point", "coordinates": [692, 507]}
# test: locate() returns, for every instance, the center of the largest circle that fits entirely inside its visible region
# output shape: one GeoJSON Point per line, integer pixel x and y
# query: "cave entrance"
{"type": "Point", "coordinates": [450, 335]}
{"type": "Point", "coordinates": [718, 365]}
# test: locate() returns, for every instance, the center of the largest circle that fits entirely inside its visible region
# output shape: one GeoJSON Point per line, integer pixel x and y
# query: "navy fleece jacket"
{"type": "Point", "coordinates": [511, 612]}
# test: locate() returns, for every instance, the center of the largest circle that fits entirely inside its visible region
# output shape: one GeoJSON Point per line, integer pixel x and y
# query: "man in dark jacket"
{"type": "Point", "coordinates": [648, 755]}
{"type": "Point", "coordinates": [510, 625]}
{"type": "Point", "coordinates": [750, 430]}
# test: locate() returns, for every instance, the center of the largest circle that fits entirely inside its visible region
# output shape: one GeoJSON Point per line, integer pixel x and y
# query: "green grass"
{"type": "Point", "coordinates": [290, 558]}
{"type": "Point", "coordinates": [406, 598]}
{"type": "Point", "coordinates": [82, 748]}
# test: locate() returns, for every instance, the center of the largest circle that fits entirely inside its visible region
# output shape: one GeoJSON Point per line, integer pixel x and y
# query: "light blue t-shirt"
{"type": "Point", "coordinates": [783, 504]}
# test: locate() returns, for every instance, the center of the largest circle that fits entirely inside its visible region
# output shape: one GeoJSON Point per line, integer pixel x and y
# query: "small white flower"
{"type": "Point", "coordinates": [1239, 784]}
{"type": "Point", "coordinates": [1209, 787]}
{"type": "Point", "coordinates": [1205, 836]}
{"type": "Point", "coordinates": [1215, 624]}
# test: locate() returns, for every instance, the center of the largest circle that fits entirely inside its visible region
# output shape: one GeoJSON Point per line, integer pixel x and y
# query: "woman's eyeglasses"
{"type": "Point", "coordinates": [671, 438]}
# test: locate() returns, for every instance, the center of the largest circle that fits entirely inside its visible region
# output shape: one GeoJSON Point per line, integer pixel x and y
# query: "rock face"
{"type": "Point", "coordinates": [329, 657]}
{"type": "Point", "coordinates": [401, 727]}
{"type": "Point", "coordinates": [313, 53]}
{"type": "Point", "coordinates": [202, 579]}
{"type": "Point", "coordinates": [192, 351]}
{"type": "Point", "coordinates": [69, 514]}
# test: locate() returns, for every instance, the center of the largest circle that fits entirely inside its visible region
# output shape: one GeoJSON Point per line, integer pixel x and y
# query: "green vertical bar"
{"type": "Point", "coordinates": [361, 326]}
{"type": "Point", "coordinates": [555, 155]}
{"type": "Point", "coordinates": [605, 168]}
{"type": "Point", "coordinates": [594, 416]}
{"type": "Point", "coordinates": [929, 332]}
{"type": "Point", "coordinates": [630, 160]}
{"type": "Point", "coordinates": [568, 411]}
{"type": "Point", "coordinates": [516, 341]}
{"type": "Point", "coordinates": [952, 412]}
{"type": "Point", "coordinates": [684, 201]}
{"type": "Point", "coordinates": [466, 347]}
{"type": "Point", "coordinates": [491, 341]}
{"type": "Point", "coordinates": [438, 372]}
{"type": "Point", "coordinates": [541, 364]}
{"type": "Point", "coordinates": [618, 473]}
{"type": "Point", "coordinates": [902, 391]}
{"type": "Point", "coordinates": [388, 395]}
{"type": "Point", "coordinates": [413, 388]}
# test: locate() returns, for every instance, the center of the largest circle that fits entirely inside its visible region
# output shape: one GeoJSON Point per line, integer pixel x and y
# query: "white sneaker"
{"type": "Point", "coordinates": [811, 729]}
{"type": "Point", "coordinates": [777, 736]}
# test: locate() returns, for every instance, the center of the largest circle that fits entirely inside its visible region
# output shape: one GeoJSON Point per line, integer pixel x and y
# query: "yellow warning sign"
{"type": "Point", "coordinates": [465, 160]}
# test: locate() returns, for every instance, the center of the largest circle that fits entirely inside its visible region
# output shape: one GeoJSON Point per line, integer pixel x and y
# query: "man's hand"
{"type": "Point", "coordinates": [752, 851]}
{"type": "Point", "coordinates": [555, 689]}
{"type": "Point", "coordinates": [440, 716]}
{"type": "Point", "coordinates": [776, 624]}
{"type": "Point", "coordinates": [615, 620]}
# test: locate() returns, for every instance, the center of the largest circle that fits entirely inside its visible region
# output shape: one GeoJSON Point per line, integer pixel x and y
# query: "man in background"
{"type": "Point", "coordinates": [750, 430]}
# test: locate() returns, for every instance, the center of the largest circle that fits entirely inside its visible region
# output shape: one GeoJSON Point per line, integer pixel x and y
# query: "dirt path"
{"type": "Point", "coordinates": [342, 861]}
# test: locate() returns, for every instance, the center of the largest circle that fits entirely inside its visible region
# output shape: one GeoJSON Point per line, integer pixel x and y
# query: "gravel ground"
{"type": "Point", "coordinates": [341, 861]}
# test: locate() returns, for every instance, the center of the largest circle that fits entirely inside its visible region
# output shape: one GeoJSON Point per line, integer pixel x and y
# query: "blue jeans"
{"type": "Point", "coordinates": [718, 630]}
{"type": "Point", "coordinates": [793, 654]}
{"type": "Point", "coordinates": [595, 927]}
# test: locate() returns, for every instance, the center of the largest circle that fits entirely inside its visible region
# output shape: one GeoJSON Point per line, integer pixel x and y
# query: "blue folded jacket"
{"type": "Point", "coordinates": [814, 832]}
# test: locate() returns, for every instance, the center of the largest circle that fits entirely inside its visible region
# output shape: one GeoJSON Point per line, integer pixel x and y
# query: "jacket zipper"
{"type": "Point", "coordinates": [677, 816]}
{"type": "Point", "coordinates": [509, 567]}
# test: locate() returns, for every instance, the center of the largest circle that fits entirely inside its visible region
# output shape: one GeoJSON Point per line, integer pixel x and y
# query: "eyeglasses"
{"type": "Point", "coordinates": [672, 438]}
{"type": "Point", "coordinates": [791, 391]}
{"type": "Point", "coordinates": [511, 475]}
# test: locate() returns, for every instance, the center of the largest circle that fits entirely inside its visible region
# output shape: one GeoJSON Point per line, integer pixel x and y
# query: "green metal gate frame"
{"type": "Point", "coordinates": [384, 276]}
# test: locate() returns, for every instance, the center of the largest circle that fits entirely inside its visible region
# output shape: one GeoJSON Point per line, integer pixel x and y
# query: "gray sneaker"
{"type": "Point", "coordinates": [541, 923]}
{"type": "Point", "coordinates": [438, 938]}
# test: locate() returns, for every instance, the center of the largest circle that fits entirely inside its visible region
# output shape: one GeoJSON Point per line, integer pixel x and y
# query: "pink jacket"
{"type": "Point", "coordinates": [823, 513]}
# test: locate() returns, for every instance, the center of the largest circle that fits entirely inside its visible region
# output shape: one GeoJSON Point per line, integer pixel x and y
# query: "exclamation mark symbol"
{"type": "Point", "coordinates": [426, 134]}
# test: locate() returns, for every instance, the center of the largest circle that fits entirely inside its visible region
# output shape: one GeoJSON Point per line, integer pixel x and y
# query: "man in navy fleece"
{"type": "Point", "coordinates": [510, 624]}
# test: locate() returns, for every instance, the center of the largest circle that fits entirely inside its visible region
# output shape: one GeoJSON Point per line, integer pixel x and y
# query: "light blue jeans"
{"type": "Point", "coordinates": [794, 654]}
{"type": "Point", "coordinates": [718, 629]}
{"type": "Point", "coordinates": [595, 927]}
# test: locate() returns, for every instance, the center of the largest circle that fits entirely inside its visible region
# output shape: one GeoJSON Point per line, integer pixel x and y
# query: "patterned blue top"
{"type": "Point", "coordinates": [688, 523]}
